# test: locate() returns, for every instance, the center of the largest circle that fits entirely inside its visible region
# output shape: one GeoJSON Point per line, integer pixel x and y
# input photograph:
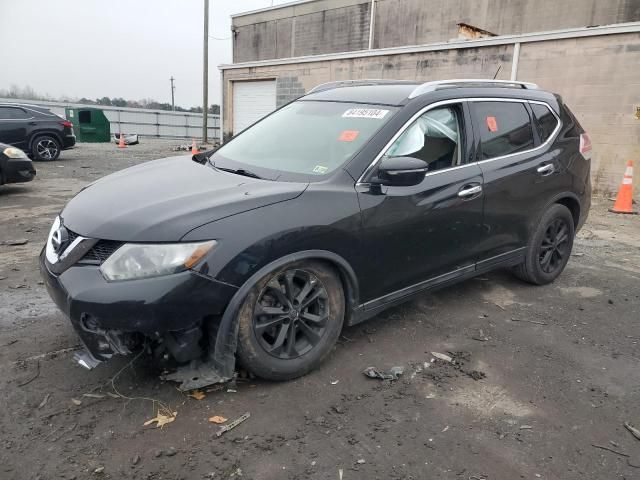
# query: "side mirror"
{"type": "Point", "coordinates": [401, 171]}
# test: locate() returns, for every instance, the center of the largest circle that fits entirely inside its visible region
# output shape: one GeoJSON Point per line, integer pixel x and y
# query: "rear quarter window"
{"type": "Point", "coordinates": [546, 122]}
{"type": "Point", "coordinates": [504, 128]}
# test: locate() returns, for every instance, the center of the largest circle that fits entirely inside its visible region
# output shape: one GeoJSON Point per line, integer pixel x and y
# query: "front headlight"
{"type": "Point", "coordinates": [137, 260]}
{"type": "Point", "coordinates": [13, 152]}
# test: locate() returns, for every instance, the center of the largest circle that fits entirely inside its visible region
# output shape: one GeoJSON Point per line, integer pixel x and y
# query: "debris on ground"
{"type": "Point", "coordinates": [334, 382]}
{"type": "Point", "coordinates": [232, 425]}
{"type": "Point", "coordinates": [442, 356]}
{"type": "Point", "coordinates": [16, 242]}
{"type": "Point", "coordinates": [217, 419]}
{"type": "Point", "coordinates": [161, 419]}
{"type": "Point", "coordinates": [528, 321]}
{"type": "Point", "coordinates": [393, 374]}
{"type": "Point", "coordinates": [99, 470]}
{"type": "Point", "coordinates": [450, 365]}
{"type": "Point", "coordinates": [634, 431]}
{"type": "Point", "coordinates": [481, 337]}
{"type": "Point", "coordinates": [526, 427]}
{"type": "Point", "coordinates": [44, 400]}
{"type": "Point", "coordinates": [361, 461]}
{"type": "Point", "coordinates": [76, 402]}
{"type": "Point", "coordinates": [197, 394]}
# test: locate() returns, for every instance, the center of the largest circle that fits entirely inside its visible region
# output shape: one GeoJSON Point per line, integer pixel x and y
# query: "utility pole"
{"type": "Point", "coordinates": [205, 73]}
{"type": "Point", "coordinates": [173, 89]}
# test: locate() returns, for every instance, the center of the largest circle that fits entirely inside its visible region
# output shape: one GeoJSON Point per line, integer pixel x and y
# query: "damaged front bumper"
{"type": "Point", "coordinates": [172, 315]}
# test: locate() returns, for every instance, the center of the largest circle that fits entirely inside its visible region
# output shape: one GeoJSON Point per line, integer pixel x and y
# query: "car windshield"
{"type": "Point", "coordinates": [305, 137]}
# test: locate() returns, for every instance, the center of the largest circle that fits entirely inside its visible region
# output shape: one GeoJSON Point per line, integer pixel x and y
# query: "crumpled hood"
{"type": "Point", "coordinates": [162, 200]}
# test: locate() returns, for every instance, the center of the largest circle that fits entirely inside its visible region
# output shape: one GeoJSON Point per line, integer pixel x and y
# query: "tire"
{"type": "Point", "coordinates": [45, 148]}
{"type": "Point", "coordinates": [549, 248]}
{"type": "Point", "coordinates": [269, 315]}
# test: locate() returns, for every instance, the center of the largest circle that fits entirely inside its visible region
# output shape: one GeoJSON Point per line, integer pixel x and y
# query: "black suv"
{"type": "Point", "coordinates": [36, 130]}
{"type": "Point", "coordinates": [340, 204]}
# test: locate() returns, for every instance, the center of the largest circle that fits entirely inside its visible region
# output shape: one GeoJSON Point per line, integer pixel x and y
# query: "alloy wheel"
{"type": "Point", "coordinates": [47, 149]}
{"type": "Point", "coordinates": [291, 314]}
{"type": "Point", "coordinates": [554, 247]}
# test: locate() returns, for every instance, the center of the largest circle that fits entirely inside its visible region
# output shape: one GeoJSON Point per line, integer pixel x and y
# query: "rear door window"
{"type": "Point", "coordinates": [12, 113]}
{"type": "Point", "coordinates": [546, 122]}
{"type": "Point", "coordinates": [504, 128]}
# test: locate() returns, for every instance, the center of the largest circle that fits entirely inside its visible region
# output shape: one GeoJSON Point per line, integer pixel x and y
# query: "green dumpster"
{"type": "Point", "coordinates": [89, 124]}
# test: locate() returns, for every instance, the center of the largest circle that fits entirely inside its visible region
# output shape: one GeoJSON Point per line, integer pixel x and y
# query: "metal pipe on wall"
{"type": "Point", "coordinates": [372, 23]}
{"type": "Point", "coordinates": [514, 61]}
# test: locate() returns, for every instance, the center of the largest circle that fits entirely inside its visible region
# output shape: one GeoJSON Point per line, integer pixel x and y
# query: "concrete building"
{"type": "Point", "coordinates": [586, 50]}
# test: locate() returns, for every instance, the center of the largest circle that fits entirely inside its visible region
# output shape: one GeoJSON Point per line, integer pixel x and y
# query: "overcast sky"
{"type": "Point", "coordinates": [116, 48]}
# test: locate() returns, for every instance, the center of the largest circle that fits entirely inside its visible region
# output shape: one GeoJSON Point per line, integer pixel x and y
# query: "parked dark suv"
{"type": "Point", "coordinates": [36, 130]}
{"type": "Point", "coordinates": [347, 201]}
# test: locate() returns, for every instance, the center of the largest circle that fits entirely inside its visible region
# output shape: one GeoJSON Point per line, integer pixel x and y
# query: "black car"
{"type": "Point", "coordinates": [15, 166]}
{"type": "Point", "coordinates": [345, 202]}
{"type": "Point", "coordinates": [36, 130]}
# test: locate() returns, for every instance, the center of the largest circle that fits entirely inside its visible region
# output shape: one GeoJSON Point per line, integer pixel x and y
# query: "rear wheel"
{"type": "Point", "coordinates": [290, 320]}
{"type": "Point", "coordinates": [45, 147]}
{"type": "Point", "coordinates": [550, 247]}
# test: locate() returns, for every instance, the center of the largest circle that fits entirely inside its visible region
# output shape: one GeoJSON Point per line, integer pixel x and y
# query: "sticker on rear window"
{"type": "Point", "coordinates": [376, 113]}
{"type": "Point", "coordinates": [492, 124]}
{"type": "Point", "coordinates": [320, 169]}
{"type": "Point", "coordinates": [348, 135]}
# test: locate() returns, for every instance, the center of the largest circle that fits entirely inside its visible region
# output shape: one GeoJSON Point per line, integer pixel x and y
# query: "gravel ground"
{"type": "Point", "coordinates": [541, 375]}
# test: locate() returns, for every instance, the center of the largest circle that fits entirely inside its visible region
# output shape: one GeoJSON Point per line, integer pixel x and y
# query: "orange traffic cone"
{"type": "Point", "coordinates": [194, 148]}
{"type": "Point", "coordinates": [121, 144]}
{"type": "Point", "coordinates": [624, 200]}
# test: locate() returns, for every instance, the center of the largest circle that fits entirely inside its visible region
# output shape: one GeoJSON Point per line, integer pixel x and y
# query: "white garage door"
{"type": "Point", "coordinates": [252, 100]}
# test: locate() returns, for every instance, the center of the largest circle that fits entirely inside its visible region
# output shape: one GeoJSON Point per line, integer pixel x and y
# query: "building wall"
{"type": "Point", "coordinates": [330, 26]}
{"type": "Point", "coordinates": [599, 78]}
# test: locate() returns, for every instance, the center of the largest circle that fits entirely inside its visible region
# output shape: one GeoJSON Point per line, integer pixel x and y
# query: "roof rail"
{"type": "Point", "coordinates": [355, 83]}
{"type": "Point", "coordinates": [481, 82]}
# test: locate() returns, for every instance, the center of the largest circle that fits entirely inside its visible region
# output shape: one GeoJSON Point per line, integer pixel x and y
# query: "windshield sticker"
{"type": "Point", "coordinates": [320, 169]}
{"type": "Point", "coordinates": [348, 135]}
{"type": "Point", "coordinates": [376, 113]}
{"type": "Point", "coordinates": [492, 124]}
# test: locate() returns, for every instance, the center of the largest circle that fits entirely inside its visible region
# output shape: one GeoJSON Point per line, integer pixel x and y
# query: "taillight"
{"type": "Point", "coordinates": [66, 123]}
{"type": "Point", "coordinates": [585, 146]}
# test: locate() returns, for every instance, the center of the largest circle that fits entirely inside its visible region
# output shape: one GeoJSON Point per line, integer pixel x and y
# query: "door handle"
{"type": "Point", "coordinates": [470, 191]}
{"type": "Point", "coordinates": [546, 169]}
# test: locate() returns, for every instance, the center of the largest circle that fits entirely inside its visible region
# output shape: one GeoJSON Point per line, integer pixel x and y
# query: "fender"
{"type": "Point", "coordinates": [221, 361]}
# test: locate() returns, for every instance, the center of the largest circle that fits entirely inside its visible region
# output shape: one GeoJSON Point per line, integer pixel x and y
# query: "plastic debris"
{"type": "Point", "coordinates": [76, 402]}
{"type": "Point", "coordinates": [44, 400]}
{"type": "Point", "coordinates": [334, 382]}
{"type": "Point", "coordinates": [393, 374]}
{"type": "Point", "coordinates": [634, 431]}
{"type": "Point", "coordinates": [232, 425]}
{"type": "Point", "coordinates": [442, 356]}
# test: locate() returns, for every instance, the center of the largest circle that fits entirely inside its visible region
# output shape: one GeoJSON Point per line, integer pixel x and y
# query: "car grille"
{"type": "Point", "coordinates": [100, 251]}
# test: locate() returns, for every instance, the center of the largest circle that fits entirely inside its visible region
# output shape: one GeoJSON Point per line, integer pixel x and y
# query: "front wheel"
{"type": "Point", "coordinates": [290, 320]}
{"type": "Point", "coordinates": [45, 147]}
{"type": "Point", "coordinates": [549, 248]}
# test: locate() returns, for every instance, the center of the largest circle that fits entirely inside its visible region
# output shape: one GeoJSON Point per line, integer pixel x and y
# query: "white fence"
{"type": "Point", "coordinates": [144, 122]}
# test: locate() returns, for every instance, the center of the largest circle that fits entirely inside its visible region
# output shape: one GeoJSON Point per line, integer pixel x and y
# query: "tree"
{"type": "Point", "coordinates": [118, 102]}
{"type": "Point", "coordinates": [214, 109]}
{"type": "Point", "coordinates": [103, 101]}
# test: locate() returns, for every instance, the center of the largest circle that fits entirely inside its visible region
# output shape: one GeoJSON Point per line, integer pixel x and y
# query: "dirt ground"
{"type": "Point", "coordinates": [541, 375]}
